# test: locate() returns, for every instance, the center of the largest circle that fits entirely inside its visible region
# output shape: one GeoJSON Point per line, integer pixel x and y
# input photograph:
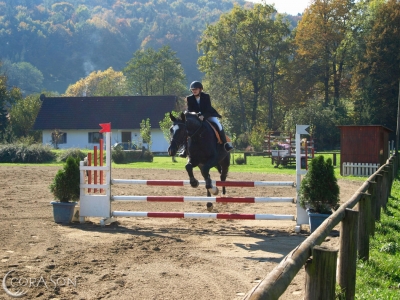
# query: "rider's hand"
{"type": "Point", "coordinates": [201, 118]}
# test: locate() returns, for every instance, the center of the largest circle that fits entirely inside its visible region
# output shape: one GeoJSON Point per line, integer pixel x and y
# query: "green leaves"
{"type": "Point", "coordinates": [152, 72]}
{"type": "Point", "coordinates": [319, 189]}
{"type": "Point", "coordinates": [66, 184]}
{"type": "Point", "coordinates": [241, 57]}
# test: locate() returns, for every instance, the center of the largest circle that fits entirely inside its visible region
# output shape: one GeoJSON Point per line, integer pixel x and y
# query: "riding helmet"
{"type": "Point", "coordinates": [196, 85]}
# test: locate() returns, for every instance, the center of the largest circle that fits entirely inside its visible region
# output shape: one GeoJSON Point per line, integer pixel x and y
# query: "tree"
{"type": "Point", "coordinates": [165, 125]}
{"type": "Point", "coordinates": [152, 72]}
{"type": "Point", "coordinates": [23, 115]}
{"type": "Point", "coordinates": [241, 57]}
{"type": "Point", "coordinates": [24, 75]}
{"type": "Point", "coordinates": [375, 42]}
{"type": "Point", "coordinates": [8, 97]}
{"type": "Point", "coordinates": [106, 83]}
{"type": "Point", "coordinates": [145, 132]}
{"type": "Point", "coordinates": [319, 39]}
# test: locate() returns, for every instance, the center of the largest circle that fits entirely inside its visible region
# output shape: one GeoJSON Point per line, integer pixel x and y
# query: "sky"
{"type": "Point", "coordinates": [292, 7]}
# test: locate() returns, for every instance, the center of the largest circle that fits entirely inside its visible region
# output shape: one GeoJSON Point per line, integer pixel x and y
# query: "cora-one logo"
{"type": "Point", "coordinates": [17, 294]}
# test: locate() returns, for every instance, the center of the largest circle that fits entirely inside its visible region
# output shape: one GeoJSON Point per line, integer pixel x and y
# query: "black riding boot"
{"type": "Point", "coordinates": [228, 147]}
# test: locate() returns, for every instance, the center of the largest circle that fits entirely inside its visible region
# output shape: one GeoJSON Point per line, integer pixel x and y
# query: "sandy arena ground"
{"type": "Point", "coordinates": [138, 258]}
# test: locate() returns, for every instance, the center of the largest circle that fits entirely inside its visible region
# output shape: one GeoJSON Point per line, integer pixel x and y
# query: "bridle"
{"type": "Point", "coordinates": [174, 140]}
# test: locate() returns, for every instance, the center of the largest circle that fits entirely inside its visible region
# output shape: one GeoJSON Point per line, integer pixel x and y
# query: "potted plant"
{"type": "Point", "coordinates": [66, 189]}
{"type": "Point", "coordinates": [319, 191]}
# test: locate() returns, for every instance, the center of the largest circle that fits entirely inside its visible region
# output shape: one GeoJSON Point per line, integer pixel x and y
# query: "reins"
{"type": "Point", "coordinates": [195, 133]}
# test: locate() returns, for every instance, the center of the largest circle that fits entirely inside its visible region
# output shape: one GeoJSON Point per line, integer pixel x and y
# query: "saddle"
{"type": "Point", "coordinates": [214, 127]}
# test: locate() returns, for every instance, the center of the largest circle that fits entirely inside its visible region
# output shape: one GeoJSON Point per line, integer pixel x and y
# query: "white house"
{"type": "Point", "coordinates": [77, 119]}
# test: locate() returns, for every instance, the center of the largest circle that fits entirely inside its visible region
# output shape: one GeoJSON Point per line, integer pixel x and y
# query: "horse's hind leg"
{"type": "Point", "coordinates": [224, 168]}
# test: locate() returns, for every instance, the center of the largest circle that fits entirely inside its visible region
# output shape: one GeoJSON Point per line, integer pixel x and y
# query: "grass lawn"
{"type": "Point", "coordinates": [379, 278]}
{"type": "Point", "coordinates": [256, 164]}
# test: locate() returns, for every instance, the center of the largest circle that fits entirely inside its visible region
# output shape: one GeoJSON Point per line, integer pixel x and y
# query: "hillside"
{"type": "Point", "coordinates": [68, 40]}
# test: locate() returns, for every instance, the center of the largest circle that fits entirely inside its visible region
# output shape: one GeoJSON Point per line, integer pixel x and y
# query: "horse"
{"type": "Point", "coordinates": [203, 150]}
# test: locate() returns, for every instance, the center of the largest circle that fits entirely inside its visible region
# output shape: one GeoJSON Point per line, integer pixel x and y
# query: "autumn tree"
{"type": "Point", "coordinates": [98, 83]}
{"type": "Point", "coordinates": [375, 42]}
{"type": "Point", "coordinates": [319, 40]}
{"type": "Point", "coordinates": [150, 72]}
{"type": "Point", "coordinates": [241, 57]}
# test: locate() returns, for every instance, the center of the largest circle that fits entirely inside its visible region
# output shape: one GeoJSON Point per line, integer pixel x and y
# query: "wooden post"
{"type": "Point", "coordinates": [378, 196]}
{"type": "Point", "coordinates": [348, 253]}
{"type": "Point", "coordinates": [372, 192]}
{"type": "Point", "coordinates": [95, 164]}
{"type": "Point", "coordinates": [364, 208]}
{"type": "Point", "coordinates": [334, 159]}
{"type": "Point", "coordinates": [384, 192]}
{"type": "Point", "coordinates": [89, 171]}
{"type": "Point", "coordinates": [321, 274]}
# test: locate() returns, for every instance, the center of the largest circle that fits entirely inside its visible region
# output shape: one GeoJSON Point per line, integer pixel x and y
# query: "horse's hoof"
{"type": "Point", "coordinates": [209, 206]}
{"type": "Point", "coordinates": [213, 190]}
{"type": "Point", "coordinates": [194, 183]}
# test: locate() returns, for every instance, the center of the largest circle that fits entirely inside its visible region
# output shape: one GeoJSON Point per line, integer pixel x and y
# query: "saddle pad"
{"type": "Point", "coordinates": [216, 132]}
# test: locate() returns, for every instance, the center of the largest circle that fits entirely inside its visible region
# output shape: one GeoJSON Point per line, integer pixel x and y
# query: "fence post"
{"type": "Point", "coordinates": [348, 253]}
{"type": "Point", "coordinates": [372, 192]}
{"type": "Point", "coordinates": [364, 209]}
{"type": "Point", "coordinates": [385, 183]}
{"type": "Point", "coordinates": [378, 193]}
{"type": "Point", "coordinates": [321, 274]}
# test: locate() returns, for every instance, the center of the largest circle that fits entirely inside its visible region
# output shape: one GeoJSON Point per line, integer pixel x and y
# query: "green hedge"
{"type": "Point", "coordinates": [37, 153]}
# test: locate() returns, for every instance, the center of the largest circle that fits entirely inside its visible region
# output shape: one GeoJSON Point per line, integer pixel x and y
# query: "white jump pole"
{"type": "Point", "coordinates": [302, 217]}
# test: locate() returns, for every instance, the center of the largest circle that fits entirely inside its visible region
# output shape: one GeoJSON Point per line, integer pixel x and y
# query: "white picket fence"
{"type": "Point", "coordinates": [359, 169]}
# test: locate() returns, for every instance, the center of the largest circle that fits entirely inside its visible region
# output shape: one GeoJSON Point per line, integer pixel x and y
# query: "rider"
{"type": "Point", "coordinates": [200, 102]}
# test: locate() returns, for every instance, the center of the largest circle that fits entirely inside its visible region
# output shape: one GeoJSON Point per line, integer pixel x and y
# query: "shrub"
{"type": "Point", "coordinates": [118, 155]}
{"type": "Point", "coordinates": [319, 189]}
{"type": "Point", "coordinates": [239, 160]}
{"type": "Point", "coordinates": [73, 152]}
{"type": "Point", "coordinates": [66, 184]}
{"type": "Point", "coordinates": [19, 153]}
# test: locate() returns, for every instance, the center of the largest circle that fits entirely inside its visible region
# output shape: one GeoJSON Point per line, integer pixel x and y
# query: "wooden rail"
{"type": "Point", "coordinates": [356, 228]}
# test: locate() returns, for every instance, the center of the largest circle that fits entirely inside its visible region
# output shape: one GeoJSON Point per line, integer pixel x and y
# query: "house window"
{"type": "Point", "coordinates": [94, 137]}
{"type": "Point", "coordinates": [58, 137]}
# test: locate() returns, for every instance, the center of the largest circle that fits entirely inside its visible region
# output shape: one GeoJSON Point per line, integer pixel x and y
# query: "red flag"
{"type": "Point", "coordinates": [105, 127]}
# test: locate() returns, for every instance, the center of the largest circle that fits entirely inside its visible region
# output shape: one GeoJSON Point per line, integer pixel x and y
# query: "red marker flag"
{"type": "Point", "coordinates": [105, 127]}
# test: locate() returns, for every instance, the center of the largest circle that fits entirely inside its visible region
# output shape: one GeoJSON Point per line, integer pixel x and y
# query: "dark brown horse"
{"type": "Point", "coordinates": [203, 149]}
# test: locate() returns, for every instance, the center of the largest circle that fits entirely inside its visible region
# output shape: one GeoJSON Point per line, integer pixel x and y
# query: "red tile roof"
{"type": "Point", "coordinates": [126, 112]}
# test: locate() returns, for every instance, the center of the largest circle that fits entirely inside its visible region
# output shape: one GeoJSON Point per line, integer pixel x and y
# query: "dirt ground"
{"type": "Point", "coordinates": [143, 258]}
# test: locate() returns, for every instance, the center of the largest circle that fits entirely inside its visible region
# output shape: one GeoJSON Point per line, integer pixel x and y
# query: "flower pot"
{"type": "Point", "coordinates": [63, 211]}
{"type": "Point", "coordinates": [316, 219]}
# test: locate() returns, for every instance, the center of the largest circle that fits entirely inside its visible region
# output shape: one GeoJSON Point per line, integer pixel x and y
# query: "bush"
{"type": "Point", "coordinates": [73, 152]}
{"type": "Point", "coordinates": [239, 160]}
{"type": "Point", "coordinates": [319, 189]}
{"type": "Point", "coordinates": [18, 153]}
{"type": "Point", "coordinates": [66, 184]}
{"type": "Point", "coordinates": [118, 155]}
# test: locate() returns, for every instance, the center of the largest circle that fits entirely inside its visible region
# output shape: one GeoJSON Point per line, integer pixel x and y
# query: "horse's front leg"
{"type": "Point", "coordinates": [194, 183]}
{"type": "Point", "coordinates": [205, 171]}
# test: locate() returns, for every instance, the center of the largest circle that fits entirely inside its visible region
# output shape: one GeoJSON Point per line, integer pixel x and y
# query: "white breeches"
{"type": "Point", "coordinates": [216, 121]}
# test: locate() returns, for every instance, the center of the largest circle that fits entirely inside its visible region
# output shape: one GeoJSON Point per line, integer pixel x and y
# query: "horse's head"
{"type": "Point", "coordinates": [177, 133]}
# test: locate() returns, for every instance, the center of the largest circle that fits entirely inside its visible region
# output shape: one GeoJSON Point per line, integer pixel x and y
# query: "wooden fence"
{"type": "Point", "coordinates": [321, 265]}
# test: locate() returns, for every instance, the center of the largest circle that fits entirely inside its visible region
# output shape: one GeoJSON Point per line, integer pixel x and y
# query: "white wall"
{"type": "Point", "coordinates": [79, 139]}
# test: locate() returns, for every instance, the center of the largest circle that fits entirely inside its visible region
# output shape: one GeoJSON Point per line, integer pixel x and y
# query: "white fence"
{"type": "Point", "coordinates": [359, 169]}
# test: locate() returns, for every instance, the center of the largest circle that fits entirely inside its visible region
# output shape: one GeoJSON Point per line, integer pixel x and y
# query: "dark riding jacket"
{"type": "Point", "coordinates": [204, 108]}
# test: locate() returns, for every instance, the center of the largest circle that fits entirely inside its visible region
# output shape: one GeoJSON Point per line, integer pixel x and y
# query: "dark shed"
{"type": "Point", "coordinates": [364, 144]}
